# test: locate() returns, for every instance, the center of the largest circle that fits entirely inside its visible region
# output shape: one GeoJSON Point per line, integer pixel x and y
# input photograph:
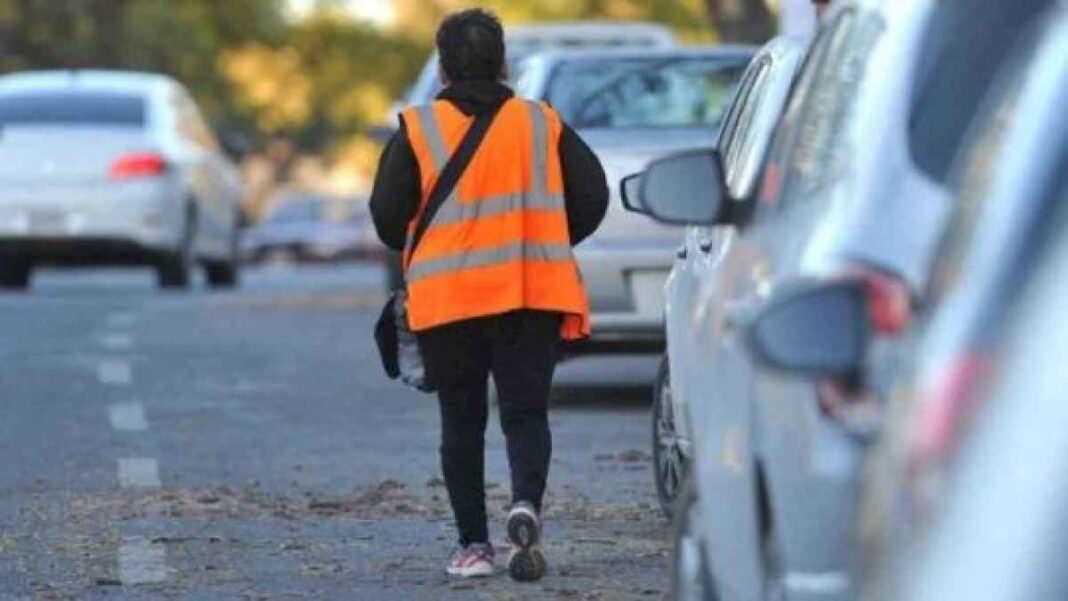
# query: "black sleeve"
{"type": "Point", "coordinates": [395, 196]}
{"type": "Point", "coordinates": [585, 188]}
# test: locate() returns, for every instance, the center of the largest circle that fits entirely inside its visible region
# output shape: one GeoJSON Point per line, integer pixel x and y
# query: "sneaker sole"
{"type": "Point", "coordinates": [526, 563]}
{"type": "Point", "coordinates": [472, 572]}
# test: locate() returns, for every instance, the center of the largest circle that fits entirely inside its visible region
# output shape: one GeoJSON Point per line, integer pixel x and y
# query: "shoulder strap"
{"type": "Point", "coordinates": [450, 174]}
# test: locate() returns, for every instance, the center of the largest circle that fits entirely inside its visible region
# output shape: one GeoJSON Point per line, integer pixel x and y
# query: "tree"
{"type": "Point", "coordinates": [742, 20]}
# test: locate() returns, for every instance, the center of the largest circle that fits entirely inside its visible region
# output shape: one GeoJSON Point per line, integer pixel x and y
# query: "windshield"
{"type": "Point", "coordinates": [69, 108]}
{"type": "Point", "coordinates": [644, 93]}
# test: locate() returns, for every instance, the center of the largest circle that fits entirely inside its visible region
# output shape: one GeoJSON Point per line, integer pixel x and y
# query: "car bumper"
{"type": "Point", "coordinates": [143, 214]}
{"type": "Point", "coordinates": [626, 290]}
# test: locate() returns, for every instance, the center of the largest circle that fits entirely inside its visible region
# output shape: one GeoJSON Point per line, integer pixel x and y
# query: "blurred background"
{"type": "Point", "coordinates": [299, 83]}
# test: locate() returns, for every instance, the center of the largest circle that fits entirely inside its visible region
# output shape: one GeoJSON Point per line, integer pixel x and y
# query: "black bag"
{"type": "Point", "coordinates": [396, 342]}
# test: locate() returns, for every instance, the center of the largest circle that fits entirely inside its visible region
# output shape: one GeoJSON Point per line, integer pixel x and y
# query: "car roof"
{"type": "Point", "coordinates": [590, 30]}
{"type": "Point", "coordinates": [129, 82]}
{"type": "Point", "coordinates": [559, 55]}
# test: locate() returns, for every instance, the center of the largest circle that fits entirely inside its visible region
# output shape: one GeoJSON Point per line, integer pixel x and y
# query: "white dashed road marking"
{"type": "Point", "coordinates": [138, 472]}
{"type": "Point", "coordinates": [121, 319]}
{"type": "Point", "coordinates": [115, 372]}
{"type": "Point", "coordinates": [128, 417]}
{"type": "Point", "coordinates": [116, 342]}
{"type": "Point", "coordinates": [141, 561]}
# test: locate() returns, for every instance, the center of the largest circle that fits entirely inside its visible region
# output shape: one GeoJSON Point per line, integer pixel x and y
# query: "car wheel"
{"type": "Point", "coordinates": [669, 462]}
{"type": "Point", "coordinates": [227, 274]}
{"type": "Point", "coordinates": [15, 274]}
{"type": "Point", "coordinates": [691, 578]}
{"type": "Point", "coordinates": [175, 270]}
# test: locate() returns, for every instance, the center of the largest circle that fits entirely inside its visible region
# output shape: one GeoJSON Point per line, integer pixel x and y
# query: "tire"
{"type": "Point", "coordinates": [669, 464]}
{"type": "Point", "coordinates": [224, 274]}
{"type": "Point", "coordinates": [227, 274]}
{"type": "Point", "coordinates": [15, 274]}
{"type": "Point", "coordinates": [175, 270]}
{"type": "Point", "coordinates": [691, 578]}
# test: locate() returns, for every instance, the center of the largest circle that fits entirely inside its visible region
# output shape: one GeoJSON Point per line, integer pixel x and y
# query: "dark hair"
{"type": "Point", "coordinates": [471, 45]}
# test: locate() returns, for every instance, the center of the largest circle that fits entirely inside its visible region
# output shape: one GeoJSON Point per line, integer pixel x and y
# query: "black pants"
{"type": "Point", "coordinates": [519, 350]}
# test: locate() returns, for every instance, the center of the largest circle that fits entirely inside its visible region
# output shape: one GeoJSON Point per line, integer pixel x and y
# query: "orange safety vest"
{"type": "Point", "coordinates": [500, 242]}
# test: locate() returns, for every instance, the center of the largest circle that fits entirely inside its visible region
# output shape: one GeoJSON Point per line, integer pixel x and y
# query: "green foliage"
{"type": "Point", "coordinates": [317, 81]}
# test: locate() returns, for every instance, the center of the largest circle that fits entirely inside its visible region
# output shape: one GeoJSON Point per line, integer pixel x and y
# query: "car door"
{"type": "Point", "coordinates": [682, 285]}
{"type": "Point", "coordinates": [730, 436]}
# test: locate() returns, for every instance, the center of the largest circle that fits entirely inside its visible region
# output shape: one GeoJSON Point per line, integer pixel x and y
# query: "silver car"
{"type": "Point", "coordinates": [855, 191]}
{"type": "Point", "coordinates": [521, 42]}
{"type": "Point", "coordinates": [525, 40]}
{"type": "Point", "coordinates": [101, 167]}
{"type": "Point", "coordinates": [632, 106]}
{"type": "Point", "coordinates": [774, 475]}
{"type": "Point", "coordinates": [1010, 209]}
{"type": "Point", "coordinates": [743, 143]}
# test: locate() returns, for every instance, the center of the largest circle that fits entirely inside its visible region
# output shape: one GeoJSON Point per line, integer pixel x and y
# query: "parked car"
{"type": "Point", "coordinates": [521, 42]}
{"type": "Point", "coordinates": [105, 167]}
{"type": "Point", "coordinates": [1000, 533]}
{"type": "Point", "coordinates": [310, 228]}
{"type": "Point", "coordinates": [1010, 208]}
{"type": "Point", "coordinates": [743, 142]}
{"type": "Point", "coordinates": [633, 106]}
{"type": "Point", "coordinates": [526, 40]}
{"type": "Point", "coordinates": [978, 419]}
{"type": "Point", "coordinates": [855, 189]}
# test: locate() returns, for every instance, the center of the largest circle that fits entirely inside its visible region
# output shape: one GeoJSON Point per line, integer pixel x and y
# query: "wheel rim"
{"type": "Point", "coordinates": [670, 461]}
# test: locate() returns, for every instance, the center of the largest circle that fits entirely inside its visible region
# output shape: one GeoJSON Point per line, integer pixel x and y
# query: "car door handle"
{"type": "Point", "coordinates": [705, 246]}
{"type": "Point", "coordinates": [681, 252]}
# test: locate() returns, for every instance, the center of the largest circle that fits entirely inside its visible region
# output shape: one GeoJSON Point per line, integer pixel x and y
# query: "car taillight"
{"type": "Point", "coordinates": [889, 300]}
{"type": "Point", "coordinates": [141, 164]}
{"type": "Point", "coordinates": [945, 406]}
{"type": "Point", "coordinates": [889, 308]}
{"type": "Point", "coordinates": [889, 303]}
{"type": "Point", "coordinates": [944, 411]}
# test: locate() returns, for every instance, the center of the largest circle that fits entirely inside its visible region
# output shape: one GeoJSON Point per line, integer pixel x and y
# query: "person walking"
{"type": "Point", "coordinates": [492, 284]}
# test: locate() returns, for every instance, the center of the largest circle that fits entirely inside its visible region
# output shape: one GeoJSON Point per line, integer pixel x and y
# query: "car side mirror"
{"type": "Point", "coordinates": [684, 189]}
{"type": "Point", "coordinates": [815, 330]}
{"type": "Point", "coordinates": [630, 191]}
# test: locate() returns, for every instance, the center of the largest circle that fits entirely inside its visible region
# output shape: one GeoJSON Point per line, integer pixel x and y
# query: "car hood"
{"type": "Point", "coordinates": [624, 152]}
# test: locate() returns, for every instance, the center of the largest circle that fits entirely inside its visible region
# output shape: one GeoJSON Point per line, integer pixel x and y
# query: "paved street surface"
{"type": "Point", "coordinates": [244, 445]}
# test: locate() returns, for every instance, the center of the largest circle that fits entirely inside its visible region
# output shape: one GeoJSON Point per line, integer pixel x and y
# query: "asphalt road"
{"type": "Point", "coordinates": [244, 445]}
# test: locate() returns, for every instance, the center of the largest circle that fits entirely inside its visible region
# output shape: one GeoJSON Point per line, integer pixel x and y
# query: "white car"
{"type": "Point", "coordinates": [632, 106]}
{"type": "Point", "coordinates": [108, 167]}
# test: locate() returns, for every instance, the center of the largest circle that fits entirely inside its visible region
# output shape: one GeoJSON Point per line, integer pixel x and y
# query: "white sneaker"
{"type": "Point", "coordinates": [525, 562]}
{"type": "Point", "coordinates": [472, 561]}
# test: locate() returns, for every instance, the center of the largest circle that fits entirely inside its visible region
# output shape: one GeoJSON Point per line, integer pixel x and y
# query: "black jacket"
{"type": "Point", "coordinates": [396, 193]}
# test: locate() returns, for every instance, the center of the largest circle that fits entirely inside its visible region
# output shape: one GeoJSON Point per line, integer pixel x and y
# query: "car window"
{"type": "Point", "coordinates": [643, 93]}
{"type": "Point", "coordinates": [727, 137]}
{"type": "Point", "coordinates": [72, 108]}
{"type": "Point", "coordinates": [191, 124]}
{"type": "Point", "coordinates": [810, 152]}
{"type": "Point", "coordinates": [980, 169]}
{"type": "Point", "coordinates": [735, 155]}
{"type": "Point", "coordinates": [963, 49]}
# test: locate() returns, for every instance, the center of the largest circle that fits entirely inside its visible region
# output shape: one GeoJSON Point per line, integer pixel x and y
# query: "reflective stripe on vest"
{"type": "Point", "coordinates": [500, 241]}
{"type": "Point", "coordinates": [453, 211]}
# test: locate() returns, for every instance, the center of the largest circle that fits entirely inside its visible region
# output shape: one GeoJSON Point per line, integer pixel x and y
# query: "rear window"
{"type": "Point", "coordinates": [645, 93]}
{"type": "Point", "coordinates": [72, 109]}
